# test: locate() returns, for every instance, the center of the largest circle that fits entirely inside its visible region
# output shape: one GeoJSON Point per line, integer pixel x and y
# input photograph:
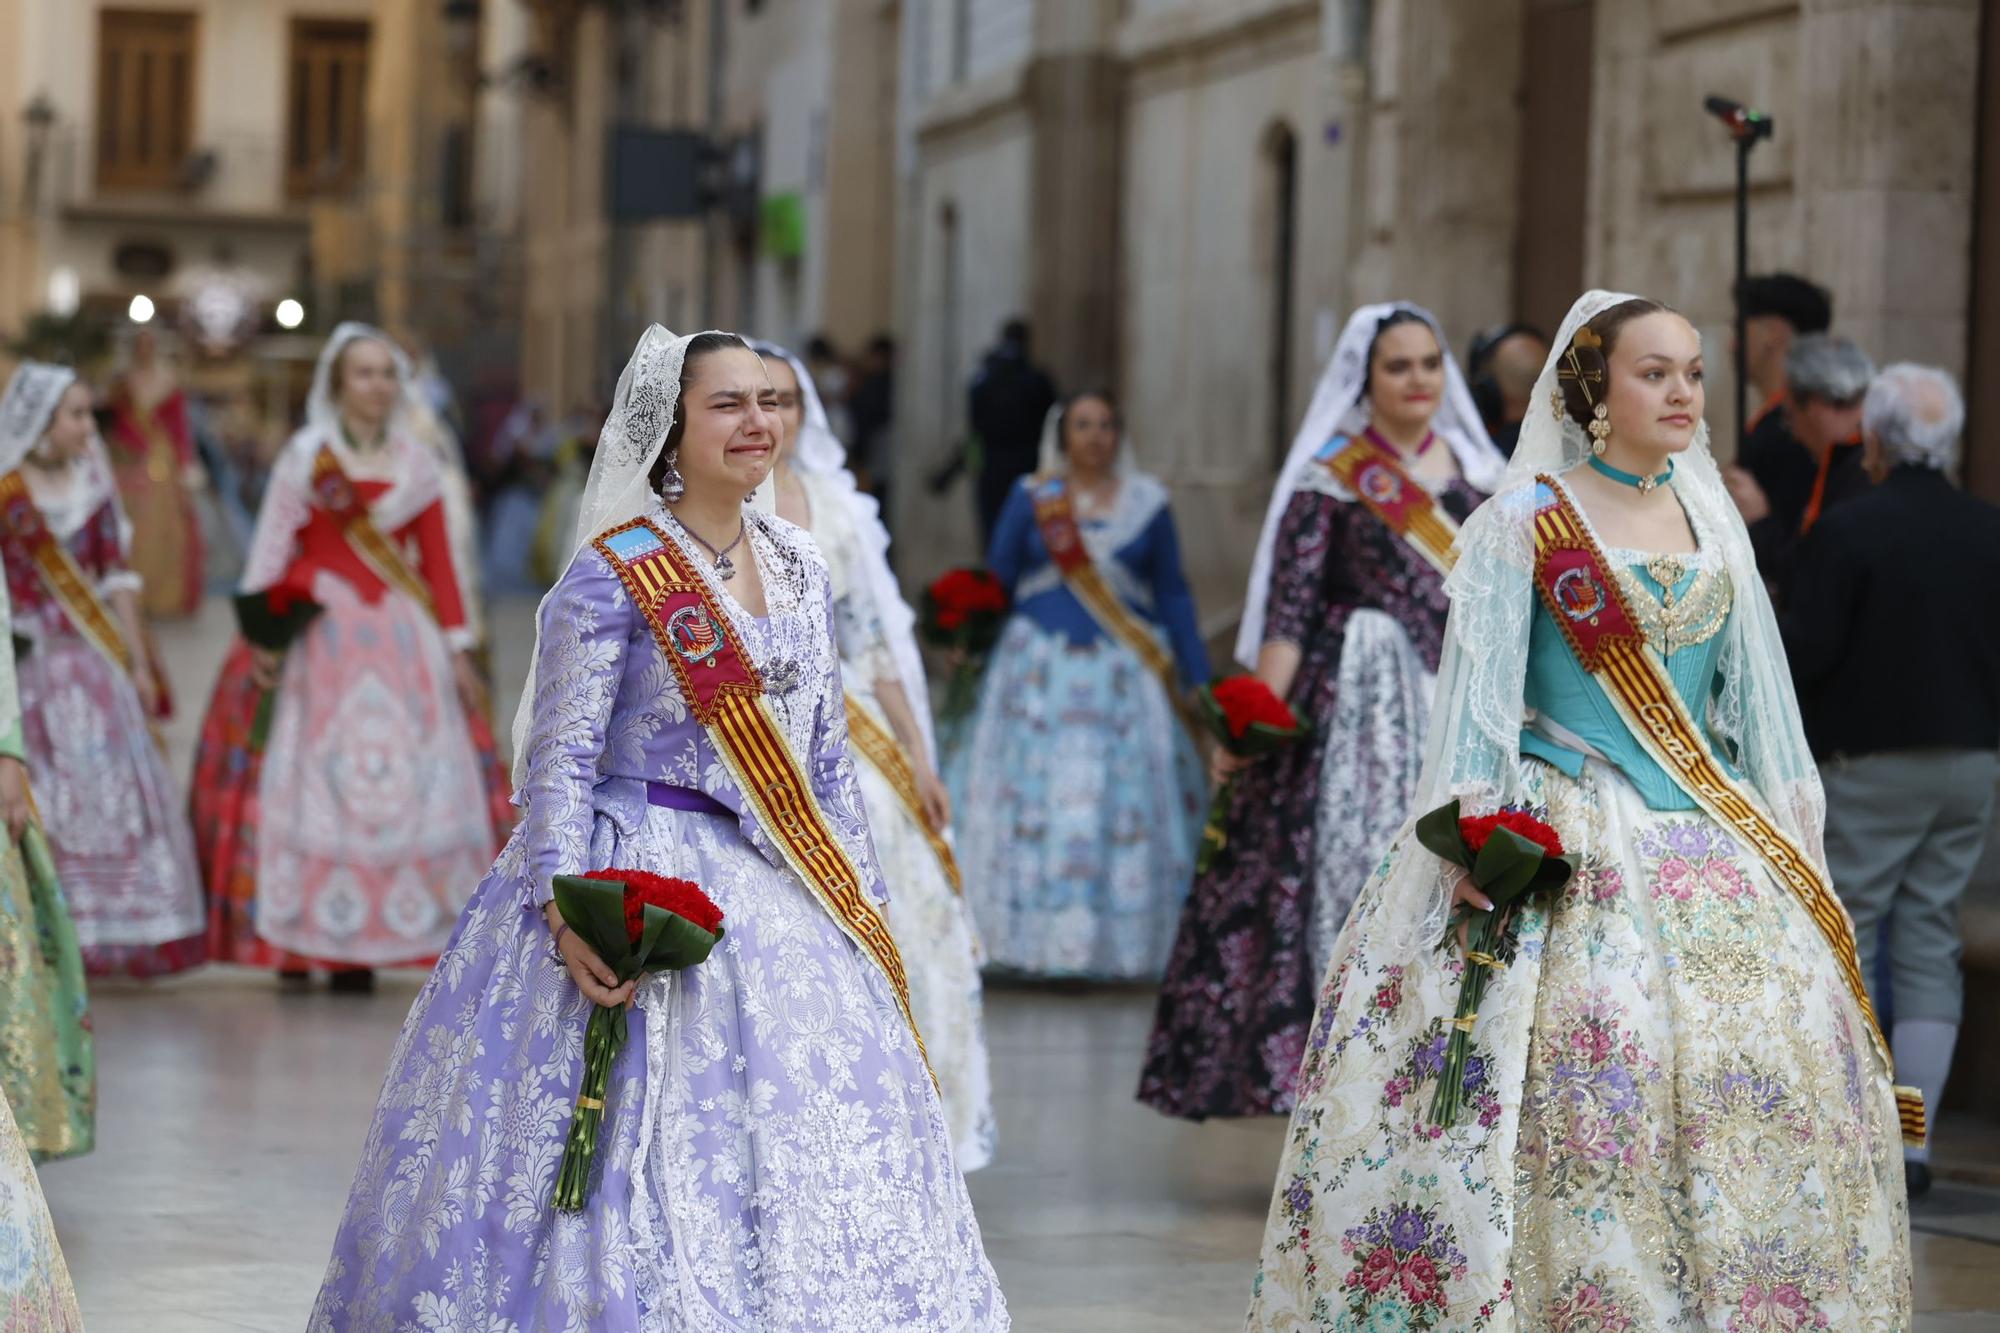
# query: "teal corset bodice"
{"type": "Point", "coordinates": [1681, 604]}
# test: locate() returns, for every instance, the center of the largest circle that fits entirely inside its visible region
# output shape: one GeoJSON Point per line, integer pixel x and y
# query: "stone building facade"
{"type": "Point", "coordinates": [322, 150]}
{"type": "Point", "coordinates": [793, 103]}
{"type": "Point", "coordinates": [1187, 196]}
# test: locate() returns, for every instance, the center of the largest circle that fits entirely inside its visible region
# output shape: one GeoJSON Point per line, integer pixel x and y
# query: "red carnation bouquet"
{"type": "Point", "coordinates": [1511, 856]}
{"type": "Point", "coordinates": [637, 923]}
{"type": "Point", "coordinates": [1248, 720]}
{"type": "Point", "coordinates": [963, 612]}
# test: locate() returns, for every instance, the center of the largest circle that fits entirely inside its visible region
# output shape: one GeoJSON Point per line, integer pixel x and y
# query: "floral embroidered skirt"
{"type": "Point", "coordinates": [48, 1062]}
{"type": "Point", "coordinates": [35, 1291]}
{"type": "Point", "coordinates": [1676, 1118]}
{"type": "Point", "coordinates": [772, 1157]}
{"type": "Point", "coordinates": [933, 929]}
{"type": "Point", "coordinates": [348, 843]}
{"type": "Point", "coordinates": [1080, 799]}
{"type": "Point", "coordinates": [1306, 827]}
{"type": "Point", "coordinates": [114, 816]}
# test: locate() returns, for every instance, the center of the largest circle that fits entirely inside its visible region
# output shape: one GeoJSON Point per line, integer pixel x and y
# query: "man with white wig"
{"type": "Point", "coordinates": [1907, 575]}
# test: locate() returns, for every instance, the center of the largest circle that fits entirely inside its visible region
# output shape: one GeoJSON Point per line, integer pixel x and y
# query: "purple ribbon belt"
{"type": "Point", "coordinates": [669, 797]}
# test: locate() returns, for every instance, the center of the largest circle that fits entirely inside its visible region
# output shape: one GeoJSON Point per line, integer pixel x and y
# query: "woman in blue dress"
{"type": "Point", "coordinates": [1080, 793]}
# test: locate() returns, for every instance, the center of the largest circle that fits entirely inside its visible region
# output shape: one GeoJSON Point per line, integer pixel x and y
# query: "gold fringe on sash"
{"type": "Point", "coordinates": [1055, 515]}
{"type": "Point", "coordinates": [369, 542]}
{"type": "Point", "coordinates": [59, 573]}
{"type": "Point", "coordinates": [1404, 506]}
{"type": "Point", "coordinates": [875, 744]}
{"type": "Point", "coordinates": [727, 696]}
{"type": "Point", "coordinates": [1603, 634]}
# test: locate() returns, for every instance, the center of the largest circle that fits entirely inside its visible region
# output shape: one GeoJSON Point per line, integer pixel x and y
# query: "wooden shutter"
{"type": "Point", "coordinates": [145, 97]}
{"type": "Point", "coordinates": [326, 122]}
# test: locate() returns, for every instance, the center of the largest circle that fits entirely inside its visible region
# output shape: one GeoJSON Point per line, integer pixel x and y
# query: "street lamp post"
{"type": "Point", "coordinates": [1748, 128]}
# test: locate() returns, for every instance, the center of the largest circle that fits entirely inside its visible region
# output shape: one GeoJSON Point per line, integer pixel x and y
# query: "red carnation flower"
{"type": "Point", "coordinates": [1245, 700]}
{"type": "Point", "coordinates": [682, 897]}
{"type": "Point", "coordinates": [1477, 830]}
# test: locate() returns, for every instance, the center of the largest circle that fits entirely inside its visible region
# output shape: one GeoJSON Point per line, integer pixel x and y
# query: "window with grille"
{"type": "Point", "coordinates": [145, 97]}
{"type": "Point", "coordinates": [324, 128]}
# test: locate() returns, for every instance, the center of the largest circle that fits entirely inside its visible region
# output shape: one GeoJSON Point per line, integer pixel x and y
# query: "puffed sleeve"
{"type": "Point", "coordinates": [110, 544]}
{"type": "Point", "coordinates": [1007, 553]}
{"type": "Point", "coordinates": [835, 785]}
{"type": "Point", "coordinates": [440, 574]}
{"type": "Point", "coordinates": [586, 626]}
{"type": "Point", "coordinates": [1174, 600]}
{"type": "Point", "coordinates": [858, 622]}
{"type": "Point", "coordinates": [1295, 609]}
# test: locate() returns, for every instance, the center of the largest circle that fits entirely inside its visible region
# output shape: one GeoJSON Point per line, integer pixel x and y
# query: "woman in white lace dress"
{"type": "Point", "coordinates": [888, 713]}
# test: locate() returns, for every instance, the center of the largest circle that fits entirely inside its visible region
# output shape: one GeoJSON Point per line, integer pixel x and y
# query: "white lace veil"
{"type": "Point", "coordinates": [1474, 745]}
{"type": "Point", "coordinates": [619, 487]}
{"type": "Point", "coordinates": [1338, 407]}
{"type": "Point", "coordinates": [286, 505]}
{"type": "Point", "coordinates": [818, 452]}
{"type": "Point", "coordinates": [323, 414]}
{"type": "Point", "coordinates": [28, 406]}
{"type": "Point", "coordinates": [1049, 457]}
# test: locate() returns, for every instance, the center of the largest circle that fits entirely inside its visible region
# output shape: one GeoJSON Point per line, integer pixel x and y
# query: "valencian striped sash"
{"type": "Point", "coordinates": [1055, 516]}
{"type": "Point", "coordinates": [1576, 584]}
{"type": "Point", "coordinates": [723, 688]}
{"type": "Point", "coordinates": [334, 492]}
{"type": "Point", "coordinates": [880, 748]}
{"type": "Point", "coordinates": [1386, 491]}
{"type": "Point", "coordinates": [72, 590]}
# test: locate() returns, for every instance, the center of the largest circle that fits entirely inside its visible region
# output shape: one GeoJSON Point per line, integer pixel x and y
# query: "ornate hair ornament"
{"type": "Point", "coordinates": [1583, 375]}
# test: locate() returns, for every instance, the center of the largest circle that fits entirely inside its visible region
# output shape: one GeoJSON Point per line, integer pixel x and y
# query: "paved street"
{"type": "Point", "coordinates": [231, 1117]}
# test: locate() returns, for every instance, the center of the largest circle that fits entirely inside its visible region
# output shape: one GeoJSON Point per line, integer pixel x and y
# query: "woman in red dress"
{"type": "Point", "coordinates": [152, 452]}
{"type": "Point", "coordinates": [347, 838]}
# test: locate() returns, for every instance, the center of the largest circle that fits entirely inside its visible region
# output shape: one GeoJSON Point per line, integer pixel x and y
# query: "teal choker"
{"type": "Point", "coordinates": [1643, 485]}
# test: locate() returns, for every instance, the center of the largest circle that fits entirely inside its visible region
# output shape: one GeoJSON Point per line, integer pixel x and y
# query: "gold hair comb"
{"type": "Point", "coordinates": [1573, 369]}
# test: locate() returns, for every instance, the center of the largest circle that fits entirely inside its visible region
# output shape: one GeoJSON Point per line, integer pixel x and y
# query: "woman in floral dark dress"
{"type": "Point", "coordinates": [1345, 620]}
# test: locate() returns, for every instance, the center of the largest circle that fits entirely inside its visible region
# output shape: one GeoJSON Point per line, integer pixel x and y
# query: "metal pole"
{"type": "Point", "coordinates": [717, 219]}
{"type": "Point", "coordinates": [1744, 143]}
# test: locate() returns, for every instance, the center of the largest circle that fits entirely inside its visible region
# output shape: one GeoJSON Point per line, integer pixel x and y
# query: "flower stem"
{"type": "Point", "coordinates": [1484, 935]}
{"type": "Point", "coordinates": [573, 1177]}
{"type": "Point", "coordinates": [1215, 833]}
{"type": "Point", "coordinates": [960, 693]}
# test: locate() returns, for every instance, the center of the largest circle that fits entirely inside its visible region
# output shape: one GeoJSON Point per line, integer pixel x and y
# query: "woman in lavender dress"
{"type": "Point", "coordinates": [1344, 619]}
{"type": "Point", "coordinates": [774, 1155]}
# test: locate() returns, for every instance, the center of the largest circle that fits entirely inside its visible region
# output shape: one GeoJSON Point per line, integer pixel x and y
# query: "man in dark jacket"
{"type": "Point", "coordinates": [1008, 400]}
{"type": "Point", "coordinates": [1825, 380]}
{"type": "Point", "coordinates": [1893, 632]}
{"type": "Point", "coordinates": [1778, 309]}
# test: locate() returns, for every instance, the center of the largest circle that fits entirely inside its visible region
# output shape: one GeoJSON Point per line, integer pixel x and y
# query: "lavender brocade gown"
{"type": "Point", "coordinates": [773, 1156]}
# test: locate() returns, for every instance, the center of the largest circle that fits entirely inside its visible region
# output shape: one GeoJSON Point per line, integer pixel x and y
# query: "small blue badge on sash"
{"type": "Point", "coordinates": [633, 544]}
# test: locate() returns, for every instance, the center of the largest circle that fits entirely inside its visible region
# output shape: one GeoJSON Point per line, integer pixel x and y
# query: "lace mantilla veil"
{"type": "Point", "coordinates": [286, 505]}
{"type": "Point", "coordinates": [1337, 408]}
{"type": "Point", "coordinates": [1049, 460]}
{"type": "Point", "coordinates": [25, 409]}
{"type": "Point", "coordinates": [1474, 752]}
{"type": "Point", "coordinates": [818, 452]}
{"type": "Point", "coordinates": [30, 401]}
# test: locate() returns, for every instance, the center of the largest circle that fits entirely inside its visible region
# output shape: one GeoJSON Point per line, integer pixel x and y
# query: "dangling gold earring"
{"type": "Point", "coordinates": [1556, 404]}
{"type": "Point", "coordinates": [1600, 428]}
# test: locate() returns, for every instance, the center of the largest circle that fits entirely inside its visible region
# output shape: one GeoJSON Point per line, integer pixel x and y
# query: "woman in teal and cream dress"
{"type": "Point", "coordinates": [1679, 1111]}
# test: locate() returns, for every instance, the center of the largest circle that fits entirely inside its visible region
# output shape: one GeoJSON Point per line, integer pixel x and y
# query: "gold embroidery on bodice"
{"type": "Point", "coordinates": [1672, 622]}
